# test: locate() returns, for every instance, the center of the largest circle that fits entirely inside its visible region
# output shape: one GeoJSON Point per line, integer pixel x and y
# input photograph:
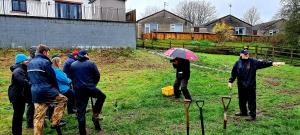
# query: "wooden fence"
{"type": "Point", "coordinates": [202, 36]}
{"type": "Point", "coordinates": [288, 55]}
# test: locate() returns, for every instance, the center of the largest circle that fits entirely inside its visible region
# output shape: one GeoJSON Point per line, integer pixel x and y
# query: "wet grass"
{"type": "Point", "coordinates": [132, 81]}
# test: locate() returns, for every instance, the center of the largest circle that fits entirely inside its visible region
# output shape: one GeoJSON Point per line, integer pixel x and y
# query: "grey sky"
{"type": "Point", "coordinates": [266, 8]}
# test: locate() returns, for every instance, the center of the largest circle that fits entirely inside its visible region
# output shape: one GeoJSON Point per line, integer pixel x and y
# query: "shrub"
{"type": "Point", "coordinates": [223, 31]}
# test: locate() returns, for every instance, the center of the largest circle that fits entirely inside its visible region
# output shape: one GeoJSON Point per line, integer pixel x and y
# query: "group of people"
{"type": "Point", "coordinates": [39, 82]}
{"type": "Point", "coordinates": [244, 70]}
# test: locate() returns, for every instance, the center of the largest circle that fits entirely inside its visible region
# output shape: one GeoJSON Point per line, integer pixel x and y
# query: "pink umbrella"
{"type": "Point", "coordinates": [181, 53]}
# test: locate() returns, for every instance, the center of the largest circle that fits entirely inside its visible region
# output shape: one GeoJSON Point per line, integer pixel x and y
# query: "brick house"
{"type": "Point", "coordinates": [240, 27]}
{"type": "Point", "coordinates": [269, 28]}
{"type": "Point", "coordinates": [163, 21]}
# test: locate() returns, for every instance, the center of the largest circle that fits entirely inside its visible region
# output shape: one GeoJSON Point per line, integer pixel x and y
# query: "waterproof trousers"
{"type": "Point", "coordinates": [82, 97]}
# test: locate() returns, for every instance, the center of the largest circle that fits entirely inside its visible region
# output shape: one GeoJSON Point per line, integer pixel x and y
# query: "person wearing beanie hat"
{"type": "Point", "coordinates": [32, 52]}
{"type": "Point", "coordinates": [21, 58]}
{"type": "Point", "coordinates": [75, 53]}
{"type": "Point", "coordinates": [19, 91]}
{"type": "Point", "coordinates": [45, 91]}
{"type": "Point", "coordinates": [85, 77]}
{"type": "Point", "coordinates": [72, 57]}
{"type": "Point", "coordinates": [82, 53]}
{"type": "Point", "coordinates": [245, 72]}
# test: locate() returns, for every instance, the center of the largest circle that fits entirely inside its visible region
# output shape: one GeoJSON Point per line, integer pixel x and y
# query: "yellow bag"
{"type": "Point", "coordinates": [168, 91]}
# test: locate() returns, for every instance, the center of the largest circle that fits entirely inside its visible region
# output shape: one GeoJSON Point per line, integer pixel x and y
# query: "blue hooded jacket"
{"type": "Point", "coordinates": [41, 75]}
{"type": "Point", "coordinates": [62, 80]}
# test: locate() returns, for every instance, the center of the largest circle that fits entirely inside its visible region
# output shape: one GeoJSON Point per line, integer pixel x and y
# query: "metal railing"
{"type": "Point", "coordinates": [48, 9]}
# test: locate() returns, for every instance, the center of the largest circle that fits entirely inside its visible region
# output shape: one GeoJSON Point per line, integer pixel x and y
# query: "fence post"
{"type": "Point", "coordinates": [266, 54]}
{"type": "Point", "coordinates": [152, 44]}
{"type": "Point", "coordinates": [143, 44]}
{"type": "Point", "coordinates": [256, 55]}
{"type": "Point", "coordinates": [182, 45]}
{"type": "Point", "coordinates": [273, 53]}
{"type": "Point", "coordinates": [292, 56]}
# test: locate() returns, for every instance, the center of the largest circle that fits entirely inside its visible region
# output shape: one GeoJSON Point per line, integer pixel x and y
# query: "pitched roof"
{"type": "Point", "coordinates": [216, 20]}
{"type": "Point", "coordinates": [164, 11]}
{"type": "Point", "coordinates": [267, 24]}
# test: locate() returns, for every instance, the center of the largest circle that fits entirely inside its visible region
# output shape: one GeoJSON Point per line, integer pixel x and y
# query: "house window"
{"type": "Point", "coordinates": [240, 30]}
{"type": "Point", "coordinates": [271, 32]}
{"type": "Point", "coordinates": [176, 27]}
{"type": "Point", "coordinates": [254, 32]}
{"type": "Point", "coordinates": [19, 5]}
{"type": "Point", "coordinates": [67, 10]}
{"type": "Point", "coordinates": [152, 27]}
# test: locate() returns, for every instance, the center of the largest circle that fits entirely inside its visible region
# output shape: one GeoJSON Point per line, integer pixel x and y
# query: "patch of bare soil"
{"type": "Point", "coordinates": [274, 81]}
{"type": "Point", "coordinates": [290, 92]}
{"type": "Point", "coordinates": [288, 105]}
{"type": "Point", "coordinates": [145, 65]}
{"type": "Point", "coordinates": [178, 127]}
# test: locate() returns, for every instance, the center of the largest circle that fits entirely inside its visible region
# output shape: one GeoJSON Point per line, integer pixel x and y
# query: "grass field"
{"type": "Point", "coordinates": [132, 81]}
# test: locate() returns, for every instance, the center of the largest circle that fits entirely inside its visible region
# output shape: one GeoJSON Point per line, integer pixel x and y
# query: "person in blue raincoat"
{"type": "Point", "coordinates": [64, 84]}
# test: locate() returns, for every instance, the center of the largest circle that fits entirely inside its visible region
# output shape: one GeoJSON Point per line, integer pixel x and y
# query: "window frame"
{"type": "Point", "coordinates": [173, 25]}
{"type": "Point", "coordinates": [271, 32]}
{"type": "Point", "coordinates": [255, 32]}
{"type": "Point", "coordinates": [148, 25]}
{"type": "Point", "coordinates": [68, 14]}
{"type": "Point", "coordinates": [237, 31]}
{"type": "Point", "coordinates": [19, 8]}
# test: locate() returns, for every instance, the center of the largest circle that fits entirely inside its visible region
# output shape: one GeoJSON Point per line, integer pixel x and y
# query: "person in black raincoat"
{"type": "Point", "coordinates": [245, 72]}
{"type": "Point", "coordinates": [85, 77]}
{"type": "Point", "coordinates": [19, 91]}
{"type": "Point", "coordinates": [182, 67]}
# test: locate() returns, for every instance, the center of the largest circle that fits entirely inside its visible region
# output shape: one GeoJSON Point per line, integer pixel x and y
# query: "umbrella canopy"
{"type": "Point", "coordinates": [181, 53]}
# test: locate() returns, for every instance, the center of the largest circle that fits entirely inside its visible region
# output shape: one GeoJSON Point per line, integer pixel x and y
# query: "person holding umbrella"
{"type": "Point", "coordinates": [181, 63]}
{"type": "Point", "coordinates": [245, 72]}
{"type": "Point", "coordinates": [182, 67]}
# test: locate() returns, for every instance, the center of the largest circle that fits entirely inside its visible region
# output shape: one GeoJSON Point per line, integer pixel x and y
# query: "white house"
{"type": "Point", "coordinates": [113, 10]}
{"type": "Point", "coordinates": [109, 10]}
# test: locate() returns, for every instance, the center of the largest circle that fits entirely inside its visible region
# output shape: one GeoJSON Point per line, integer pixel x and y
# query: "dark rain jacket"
{"type": "Point", "coordinates": [42, 78]}
{"type": "Point", "coordinates": [184, 67]}
{"type": "Point", "coordinates": [85, 73]}
{"type": "Point", "coordinates": [67, 65]}
{"type": "Point", "coordinates": [245, 72]}
{"type": "Point", "coordinates": [19, 90]}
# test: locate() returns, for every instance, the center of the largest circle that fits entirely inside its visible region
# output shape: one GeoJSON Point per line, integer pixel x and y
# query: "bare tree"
{"type": "Point", "coordinates": [150, 10]}
{"type": "Point", "coordinates": [252, 16]}
{"type": "Point", "coordinates": [288, 7]}
{"type": "Point", "coordinates": [197, 11]}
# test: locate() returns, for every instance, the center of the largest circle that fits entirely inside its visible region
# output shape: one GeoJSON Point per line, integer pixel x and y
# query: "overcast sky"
{"type": "Point", "coordinates": [266, 8]}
